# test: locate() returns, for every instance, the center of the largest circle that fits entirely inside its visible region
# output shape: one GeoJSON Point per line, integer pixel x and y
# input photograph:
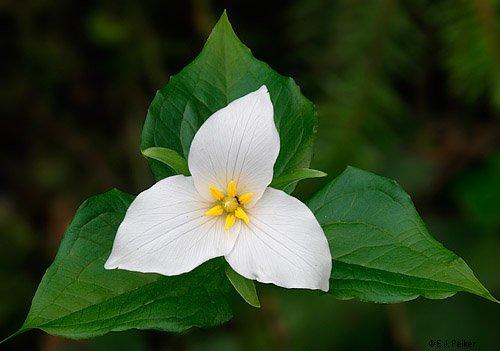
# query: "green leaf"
{"type": "Point", "coordinates": [78, 298]}
{"type": "Point", "coordinates": [169, 157]}
{"type": "Point", "coordinates": [245, 287]}
{"type": "Point", "coordinates": [300, 174]}
{"type": "Point", "coordinates": [381, 249]}
{"type": "Point", "coordinates": [224, 71]}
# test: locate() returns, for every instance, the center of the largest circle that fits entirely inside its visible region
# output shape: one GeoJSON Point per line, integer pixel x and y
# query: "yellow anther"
{"type": "Point", "coordinates": [245, 198]}
{"type": "Point", "coordinates": [230, 219]}
{"type": "Point", "coordinates": [241, 214]}
{"type": "Point", "coordinates": [216, 193]}
{"type": "Point", "coordinates": [231, 189]}
{"type": "Point", "coordinates": [215, 211]}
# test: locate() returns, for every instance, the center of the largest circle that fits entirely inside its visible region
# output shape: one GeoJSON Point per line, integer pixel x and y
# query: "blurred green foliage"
{"type": "Point", "coordinates": [407, 88]}
{"type": "Point", "coordinates": [478, 192]}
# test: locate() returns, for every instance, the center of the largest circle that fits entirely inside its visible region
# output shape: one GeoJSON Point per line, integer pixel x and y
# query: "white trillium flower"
{"type": "Point", "coordinates": [227, 209]}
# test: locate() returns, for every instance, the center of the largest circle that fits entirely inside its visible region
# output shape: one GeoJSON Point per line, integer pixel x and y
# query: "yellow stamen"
{"type": "Point", "coordinates": [245, 198]}
{"type": "Point", "coordinates": [241, 214]}
{"type": "Point", "coordinates": [215, 211]}
{"type": "Point", "coordinates": [230, 204]}
{"type": "Point", "coordinates": [216, 193]}
{"type": "Point", "coordinates": [230, 219]}
{"type": "Point", "coordinates": [231, 189]}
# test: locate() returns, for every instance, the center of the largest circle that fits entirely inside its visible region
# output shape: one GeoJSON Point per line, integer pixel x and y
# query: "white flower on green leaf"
{"type": "Point", "coordinates": [227, 209]}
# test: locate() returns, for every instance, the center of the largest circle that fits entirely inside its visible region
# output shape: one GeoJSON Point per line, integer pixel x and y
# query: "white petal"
{"type": "Point", "coordinates": [283, 244]}
{"type": "Point", "coordinates": [165, 231]}
{"type": "Point", "coordinates": [239, 142]}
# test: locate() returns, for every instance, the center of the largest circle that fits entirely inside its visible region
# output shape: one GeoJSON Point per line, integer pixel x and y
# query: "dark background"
{"type": "Point", "coordinates": [408, 89]}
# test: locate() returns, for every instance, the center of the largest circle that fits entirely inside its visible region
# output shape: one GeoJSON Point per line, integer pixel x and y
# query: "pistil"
{"type": "Point", "coordinates": [230, 204]}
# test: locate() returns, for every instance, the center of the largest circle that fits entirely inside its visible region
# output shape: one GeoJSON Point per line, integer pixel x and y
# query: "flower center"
{"type": "Point", "coordinates": [230, 204]}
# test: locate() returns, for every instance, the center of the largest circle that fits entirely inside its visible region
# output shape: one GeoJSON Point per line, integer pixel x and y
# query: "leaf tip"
{"type": "Point", "coordinates": [145, 152]}
{"type": "Point", "coordinates": [254, 304]}
{"type": "Point", "coordinates": [223, 19]}
{"type": "Point", "coordinates": [20, 331]}
{"type": "Point", "coordinates": [321, 174]}
{"type": "Point", "coordinates": [350, 168]}
{"type": "Point", "coordinates": [245, 287]}
{"type": "Point", "coordinates": [223, 27]}
{"type": "Point", "coordinates": [492, 298]}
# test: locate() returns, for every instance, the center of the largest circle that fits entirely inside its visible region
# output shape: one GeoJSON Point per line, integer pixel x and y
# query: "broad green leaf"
{"type": "Point", "coordinates": [78, 298]}
{"type": "Point", "coordinates": [169, 157]}
{"type": "Point", "coordinates": [299, 174]}
{"type": "Point", "coordinates": [224, 71]}
{"type": "Point", "coordinates": [381, 249]}
{"type": "Point", "coordinates": [245, 287]}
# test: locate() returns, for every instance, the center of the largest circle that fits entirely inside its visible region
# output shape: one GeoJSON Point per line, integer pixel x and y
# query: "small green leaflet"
{"type": "Point", "coordinates": [169, 157]}
{"type": "Point", "coordinates": [303, 173]}
{"type": "Point", "coordinates": [381, 249]}
{"type": "Point", "coordinates": [224, 71]}
{"type": "Point", "coordinates": [245, 287]}
{"type": "Point", "coordinates": [78, 298]}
